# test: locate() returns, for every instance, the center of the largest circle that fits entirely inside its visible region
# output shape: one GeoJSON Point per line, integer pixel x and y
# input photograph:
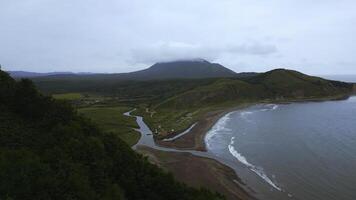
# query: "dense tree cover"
{"type": "Point", "coordinates": [132, 92]}
{"type": "Point", "coordinates": [48, 151]}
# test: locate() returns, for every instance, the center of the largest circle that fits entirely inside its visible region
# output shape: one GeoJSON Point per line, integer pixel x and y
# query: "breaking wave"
{"type": "Point", "coordinates": [257, 170]}
{"type": "Point", "coordinates": [262, 108]}
{"type": "Point", "coordinates": [219, 127]}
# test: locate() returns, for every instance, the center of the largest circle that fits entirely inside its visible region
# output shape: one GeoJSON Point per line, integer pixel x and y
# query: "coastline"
{"type": "Point", "coordinates": [185, 166]}
{"type": "Point", "coordinates": [195, 168]}
{"type": "Point", "coordinates": [195, 138]}
{"type": "Point", "coordinates": [198, 172]}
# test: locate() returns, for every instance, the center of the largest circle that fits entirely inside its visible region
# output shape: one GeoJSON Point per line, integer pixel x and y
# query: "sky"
{"type": "Point", "coordinates": [315, 37]}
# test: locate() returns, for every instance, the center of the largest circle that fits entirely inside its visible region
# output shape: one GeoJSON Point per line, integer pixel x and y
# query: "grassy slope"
{"type": "Point", "coordinates": [48, 151]}
{"type": "Point", "coordinates": [68, 96]}
{"type": "Point", "coordinates": [172, 105]}
{"type": "Point", "coordinates": [178, 112]}
{"type": "Point", "coordinates": [111, 119]}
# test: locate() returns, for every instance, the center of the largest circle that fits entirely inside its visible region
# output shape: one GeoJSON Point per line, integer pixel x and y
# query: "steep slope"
{"type": "Point", "coordinates": [48, 151]}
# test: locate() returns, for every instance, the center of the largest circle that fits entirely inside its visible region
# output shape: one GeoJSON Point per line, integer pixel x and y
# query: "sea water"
{"type": "Point", "coordinates": [291, 151]}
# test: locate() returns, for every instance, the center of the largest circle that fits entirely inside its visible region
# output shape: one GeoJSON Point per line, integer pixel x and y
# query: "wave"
{"type": "Point", "coordinates": [264, 108]}
{"type": "Point", "coordinates": [257, 170]}
{"type": "Point", "coordinates": [219, 127]}
{"type": "Point", "coordinates": [274, 106]}
{"type": "Point", "coordinates": [269, 107]}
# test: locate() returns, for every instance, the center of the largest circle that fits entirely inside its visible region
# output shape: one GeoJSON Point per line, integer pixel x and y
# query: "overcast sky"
{"type": "Point", "coordinates": [314, 36]}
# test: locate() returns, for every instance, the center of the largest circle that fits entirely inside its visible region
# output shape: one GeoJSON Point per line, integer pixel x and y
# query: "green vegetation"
{"type": "Point", "coordinates": [112, 120]}
{"type": "Point", "coordinates": [48, 151]}
{"type": "Point", "coordinates": [179, 111]}
{"type": "Point", "coordinates": [68, 96]}
{"type": "Point", "coordinates": [170, 106]}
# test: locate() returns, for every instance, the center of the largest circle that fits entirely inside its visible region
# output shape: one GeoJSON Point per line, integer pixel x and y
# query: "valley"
{"type": "Point", "coordinates": [170, 106]}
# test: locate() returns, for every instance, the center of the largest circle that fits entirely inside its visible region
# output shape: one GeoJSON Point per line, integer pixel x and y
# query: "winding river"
{"type": "Point", "coordinates": [264, 190]}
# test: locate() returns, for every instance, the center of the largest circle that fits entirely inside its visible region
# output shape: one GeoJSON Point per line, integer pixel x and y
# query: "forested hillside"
{"type": "Point", "coordinates": [48, 151]}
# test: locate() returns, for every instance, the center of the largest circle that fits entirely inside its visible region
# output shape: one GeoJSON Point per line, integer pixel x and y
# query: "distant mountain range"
{"type": "Point", "coordinates": [186, 69]}
{"type": "Point", "coordinates": [25, 74]}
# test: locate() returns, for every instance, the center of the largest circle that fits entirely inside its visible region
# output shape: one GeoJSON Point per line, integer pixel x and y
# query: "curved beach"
{"type": "Point", "coordinates": [195, 168]}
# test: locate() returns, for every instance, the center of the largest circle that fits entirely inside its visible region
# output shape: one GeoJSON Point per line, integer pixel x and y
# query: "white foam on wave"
{"type": "Point", "coordinates": [266, 107]}
{"type": "Point", "coordinates": [237, 155]}
{"type": "Point", "coordinates": [256, 170]}
{"type": "Point", "coordinates": [219, 127]}
{"type": "Point", "coordinates": [274, 107]}
{"type": "Point", "coordinates": [270, 107]}
{"type": "Point", "coordinates": [352, 99]}
{"type": "Point", "coordinates": [244, 115]}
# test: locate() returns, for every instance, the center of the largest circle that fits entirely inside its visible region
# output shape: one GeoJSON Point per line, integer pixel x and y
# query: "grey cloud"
{"type": "Point", "coordinates": [254, 49]}
{"type": "Point", "coordinates": [166, 51]}
{"type": "Point", "coordinates": [126, 35]}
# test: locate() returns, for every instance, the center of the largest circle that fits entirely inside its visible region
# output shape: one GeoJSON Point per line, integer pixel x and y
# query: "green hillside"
{"type": "Point", "coordinates": [48, 151]}
{"type": "Point", "coordinates": [276, 84]}
{"type": "Point", "coordinates": [171, 105]}
{"type": "Point", "coordinates": [178, 112]}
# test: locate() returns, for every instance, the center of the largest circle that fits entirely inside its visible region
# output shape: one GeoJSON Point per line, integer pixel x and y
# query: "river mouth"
{"type": "Point", "coordinates": [146, 139]}
{"type": "Point", "coordinates": [285, 151]}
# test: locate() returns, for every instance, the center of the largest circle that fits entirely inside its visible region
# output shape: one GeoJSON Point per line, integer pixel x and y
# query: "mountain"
{"type": "Point", "coordinates": [174, 98]}
{"type": "Point", "coordinates": [49, 151]}
{"type": "Point", "coordinates": [189, 69]}
{"type": "Point", "coordinates": [25, 74]}
{"type": "Point", "coordinates": [278, 84]}
{"type": "Point", "coordinates": [186, 69]}
{"type": "Point", "coordinates": [182, 109]}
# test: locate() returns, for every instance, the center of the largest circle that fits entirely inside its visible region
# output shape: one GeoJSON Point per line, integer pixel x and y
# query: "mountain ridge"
{"type": "Point", "coordinates": [185, 69]}
{"type": "Point", "coordinates": [182, 69]}
{"type": "Point", "coordinates": [28, 74]}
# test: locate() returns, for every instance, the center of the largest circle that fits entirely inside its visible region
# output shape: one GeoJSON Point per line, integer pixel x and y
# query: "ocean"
{"type": "Point", "coordinates": [291, 151]}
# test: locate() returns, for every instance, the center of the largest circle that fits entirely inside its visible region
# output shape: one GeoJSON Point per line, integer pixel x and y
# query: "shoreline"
{"type": "Point", "coordinates": [197, 171]}
{"type": "Point", "coordinates": [195, 138]}
{"type": "Point", "coordinates": [195, 168]}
